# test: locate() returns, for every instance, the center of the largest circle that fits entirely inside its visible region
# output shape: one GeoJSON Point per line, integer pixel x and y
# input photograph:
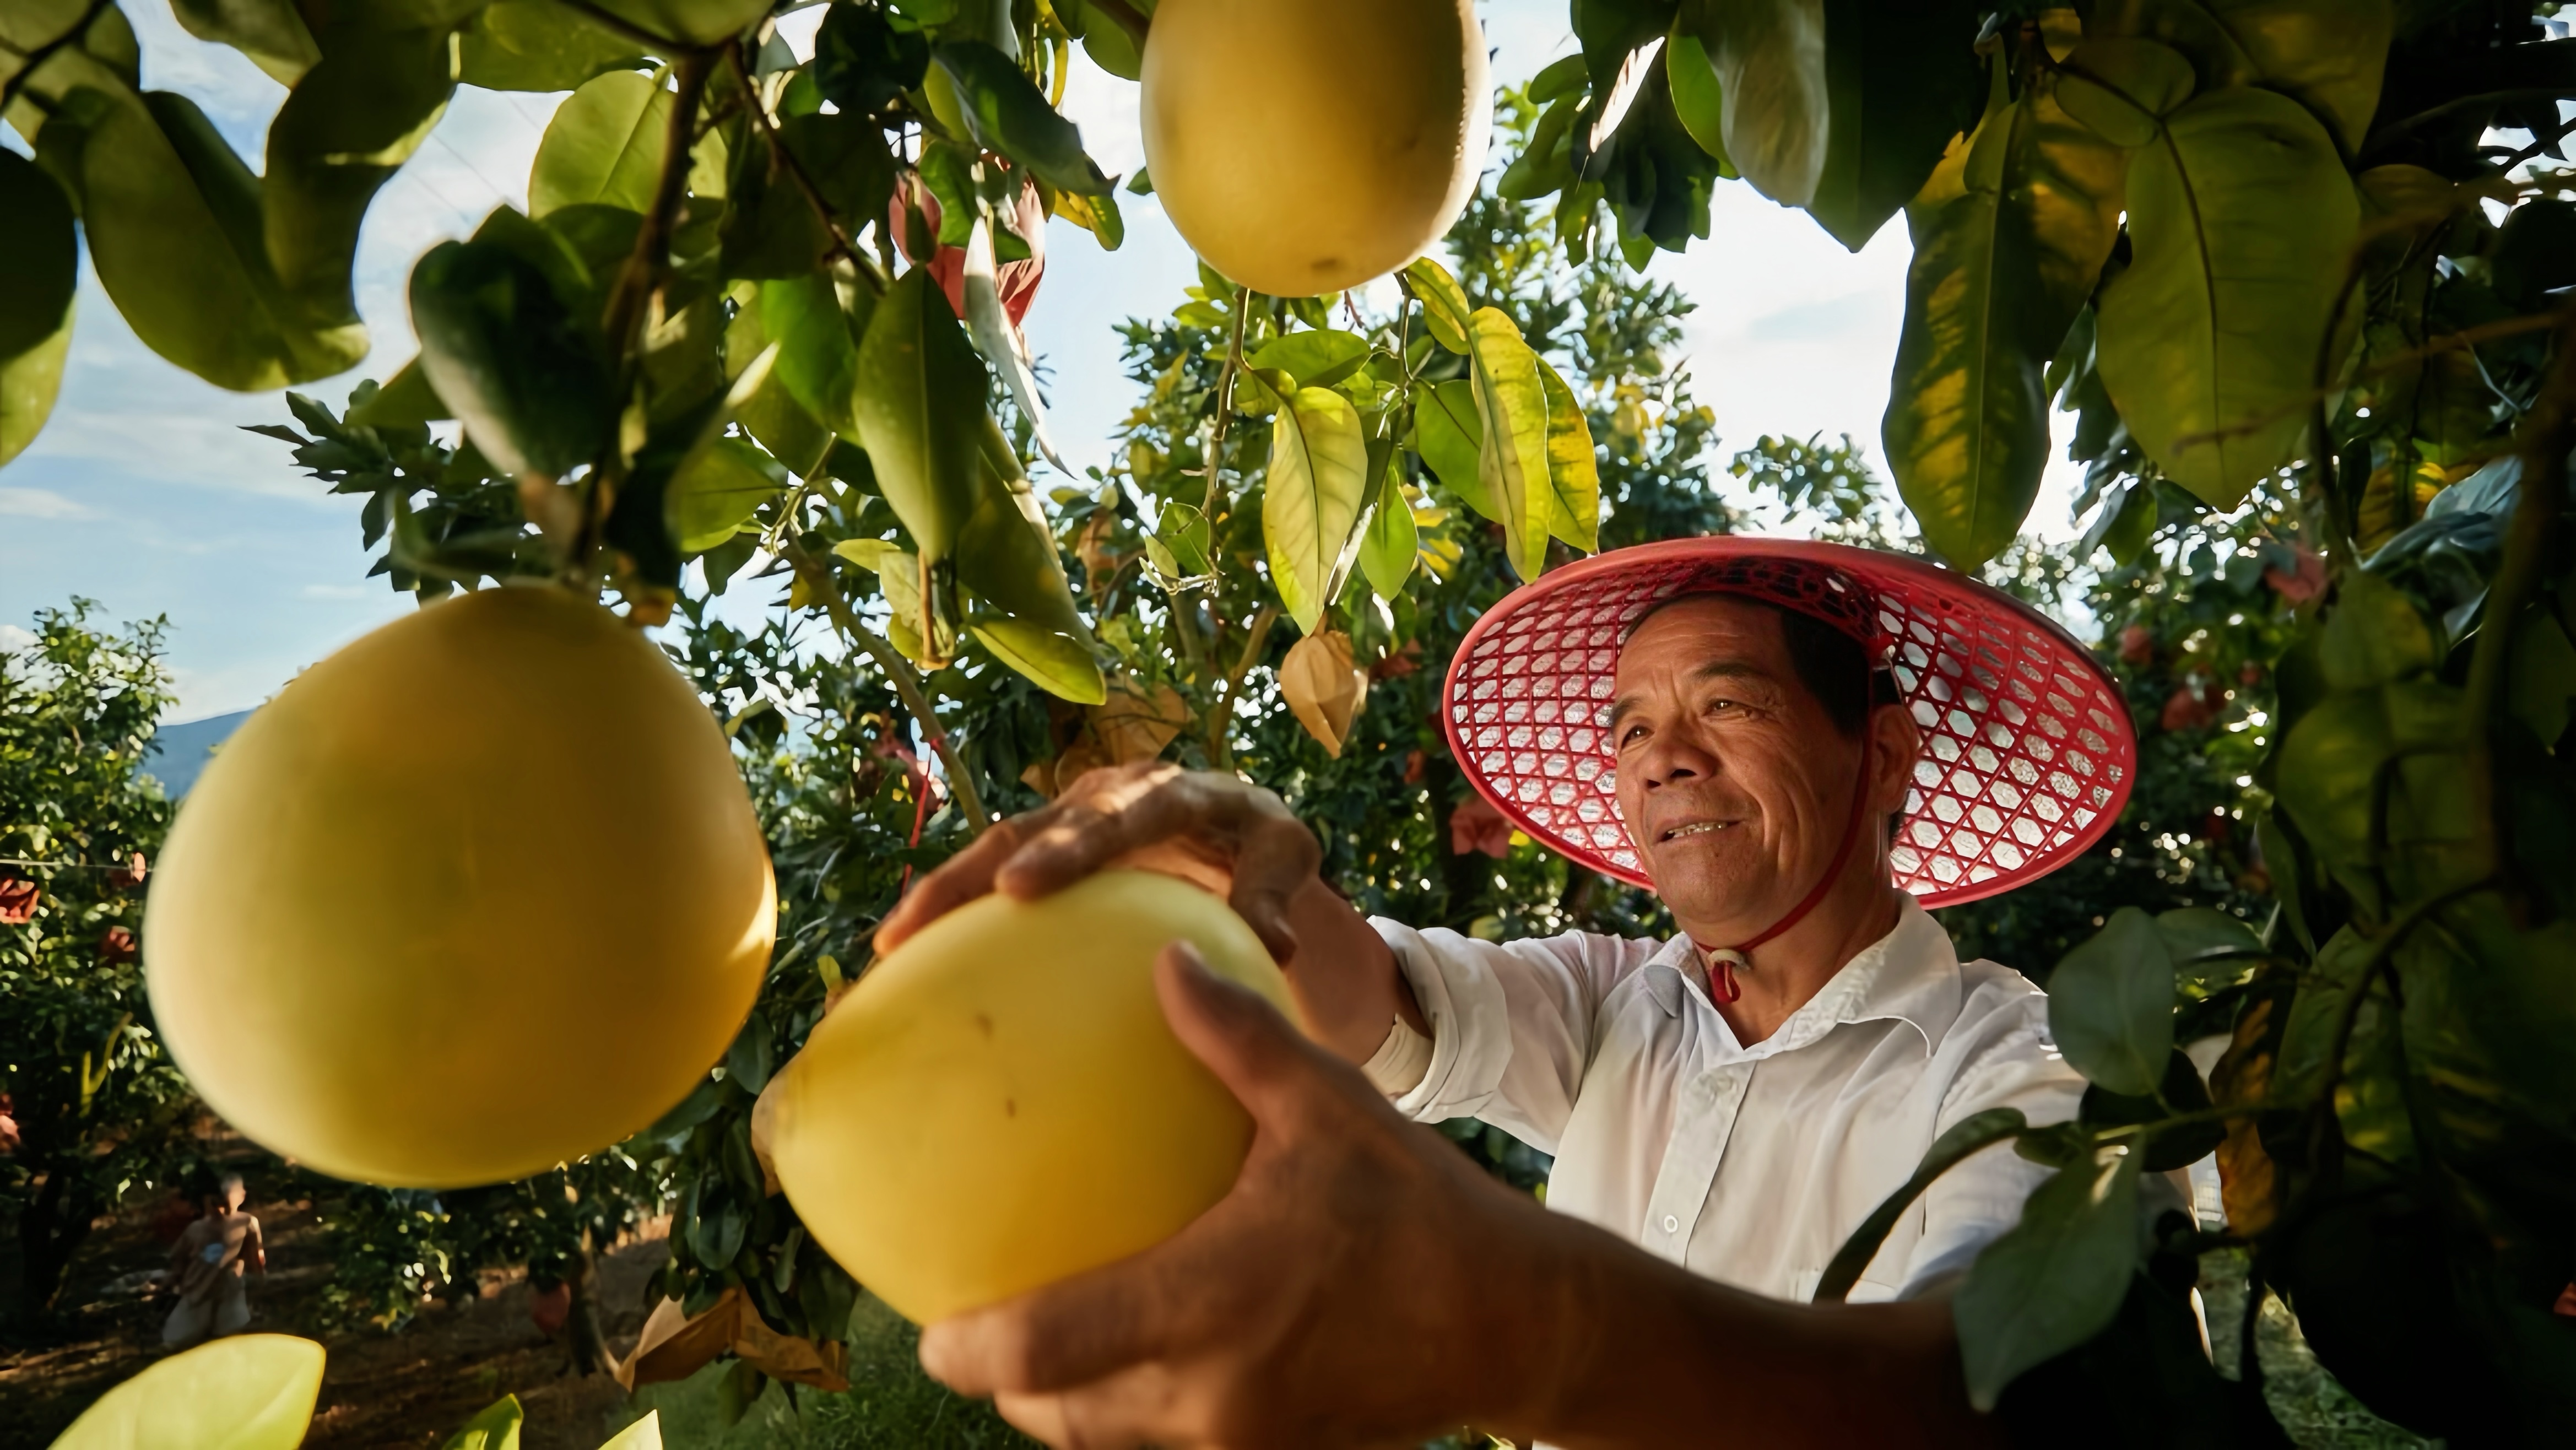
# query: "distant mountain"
{"type": "Point", "coordinates": [179, 752]}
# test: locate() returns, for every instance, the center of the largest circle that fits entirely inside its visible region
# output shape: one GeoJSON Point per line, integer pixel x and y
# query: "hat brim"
{"type": "Point", "coordinates": [2028, 754]}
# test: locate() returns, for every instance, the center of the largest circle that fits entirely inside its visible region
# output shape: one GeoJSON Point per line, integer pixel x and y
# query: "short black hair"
{"type": "Point", "coordinates": [1831, 664]}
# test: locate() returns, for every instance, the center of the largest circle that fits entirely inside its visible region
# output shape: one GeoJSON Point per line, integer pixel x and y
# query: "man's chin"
{"type": "Point", "coordinates": [1698, 889]}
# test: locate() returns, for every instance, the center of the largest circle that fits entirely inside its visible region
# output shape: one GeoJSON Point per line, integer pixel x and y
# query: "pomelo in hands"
{"type": "Point", "coordinates": [478, 894]}
{"type": "Point", "coordinates": [242, 1392]}
{"type": "Point", "coordinates": [1306, 146]}
{"type": "Point", "coordinates": [999, 1103]}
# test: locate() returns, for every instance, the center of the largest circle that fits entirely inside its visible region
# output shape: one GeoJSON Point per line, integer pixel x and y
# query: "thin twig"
{"type": "Point", "coordinates": [1225, 401]}
{"type": "Point", "coordinates": [1220, 747]}
{"type": "Point", "coordinates": [9, 90]}
{"type": "Point", "coordinates": [785, 159]}
{"type": "Point", "coordinates": [2453, 107]}
{"type": "Point", "coordinates": [907, 684]}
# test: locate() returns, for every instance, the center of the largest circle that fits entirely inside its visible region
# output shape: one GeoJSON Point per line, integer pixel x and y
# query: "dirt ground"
{"type": "Point", "coordinates": [411, 1388]}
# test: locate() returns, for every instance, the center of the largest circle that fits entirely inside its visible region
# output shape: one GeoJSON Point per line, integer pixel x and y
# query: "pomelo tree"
{"type": "Point", "coordinates": [2310, 254]}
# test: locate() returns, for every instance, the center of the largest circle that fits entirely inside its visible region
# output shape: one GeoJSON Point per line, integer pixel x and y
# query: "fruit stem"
{"type": "Point", "coordinates": [906, 683]}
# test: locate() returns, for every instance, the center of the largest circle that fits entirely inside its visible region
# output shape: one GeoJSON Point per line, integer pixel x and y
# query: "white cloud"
{"type": "Point", "coordinates": [40, 503]}
{"type": "Point", "coordinates": [13, 639]}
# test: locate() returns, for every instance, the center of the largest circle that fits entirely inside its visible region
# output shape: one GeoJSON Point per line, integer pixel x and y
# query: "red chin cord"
{"type": "Point", "coordinates": [1721, 983]}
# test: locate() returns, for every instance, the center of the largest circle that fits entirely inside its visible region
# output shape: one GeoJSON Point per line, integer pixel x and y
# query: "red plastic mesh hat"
{"type": "Point", "coordinates": [2027, 749]}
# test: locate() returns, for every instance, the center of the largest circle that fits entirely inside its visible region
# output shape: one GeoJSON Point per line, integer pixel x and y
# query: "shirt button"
{"type": "Point", "coordinates": [1672, 1224]}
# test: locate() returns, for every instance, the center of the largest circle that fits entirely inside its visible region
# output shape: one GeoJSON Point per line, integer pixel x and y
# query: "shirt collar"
{"type": "Point", "coordinates": [1910, 975]}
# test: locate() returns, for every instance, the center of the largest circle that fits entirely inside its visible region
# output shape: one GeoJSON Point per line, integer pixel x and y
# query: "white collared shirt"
{"type": "Point", "coordinates": [1748, 1165]}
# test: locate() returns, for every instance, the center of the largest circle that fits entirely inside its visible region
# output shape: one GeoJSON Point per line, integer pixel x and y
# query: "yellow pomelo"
{"type": "Point", "coordinates": [480, 893]}
{"type": "Point", "coordinates": [1306, 146]}
{"type": "Point", "coordinates": [999, 1103]}
{"type": "Point", "coordinates": [244, 1392]}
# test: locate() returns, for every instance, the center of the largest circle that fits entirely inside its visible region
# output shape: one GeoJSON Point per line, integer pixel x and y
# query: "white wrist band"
{"type": "Point", "coordinates": [1402, 1061]}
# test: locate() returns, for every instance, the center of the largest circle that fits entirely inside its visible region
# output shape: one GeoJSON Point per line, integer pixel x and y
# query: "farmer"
{"type": "Point", "coordinates": [206, 1269]}
{"type": "Point", "coordinates": [1796, 746]}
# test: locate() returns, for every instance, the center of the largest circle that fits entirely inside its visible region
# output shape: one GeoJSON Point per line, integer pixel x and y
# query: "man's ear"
{"type": "Point", "coordinates": [1894, 742]}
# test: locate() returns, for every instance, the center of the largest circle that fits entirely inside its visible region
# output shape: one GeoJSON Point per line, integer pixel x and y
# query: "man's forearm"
{"type": "Point", "coordinates": [1623, 1349]}
{"type": "Point", "coordinates": [1345, 977]}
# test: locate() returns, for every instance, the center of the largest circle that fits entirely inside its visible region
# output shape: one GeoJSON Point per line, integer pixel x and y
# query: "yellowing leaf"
{"type": "Point", "coordinates": [496, 1427]}
{"type": "Point", "coordinates": [1574, 475]}
{"type": "Point", "coordinates": [644, 1434]}
{"type": "Point", "coordinates": [245, 1392]}
{"type": "Point", "coordinates": [2241, 219]}
{"type": "Point", "coordinates": [1310, 502]}
{"type": "Point", "coordinates": [1321, 686]}
{"type": "Point", "coordinates": [1444, 302]}
{"type": "Point", "coordinates": [1512, 457]}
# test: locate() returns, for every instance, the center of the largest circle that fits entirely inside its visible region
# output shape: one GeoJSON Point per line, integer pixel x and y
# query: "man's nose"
{"type": "Point", "coordinates": [1674, 757]}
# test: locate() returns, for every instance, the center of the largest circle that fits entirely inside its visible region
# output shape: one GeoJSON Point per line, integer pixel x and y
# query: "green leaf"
{"type": "Point", "coordinates": [1107, 42]}
{"type": "Point", "coordinates": [716, 490]}
{"type": "Point", "coordinates": [771, 414]}
{"type": "Point", "coordinates": [1699, 99]}
{"type": "Point", "coordinates": [1512, 456]}
{"type": "Point", "coordinates": [173, 222]}
{"type": "Point", "coordinates": [2009, 235]}
{"type": "Point", "coordinates": [1316, 359]}
{"type": "Point", "coordinates": [920, 412]}
{"type": "Point", "coordinates": [2329, 55]}
{"type": "Point", "coordinates": [1007, 113]}
{"type": "Point", "coordinates": [690, 22]}
{"type": "Point", "coordinates": [604, 144]}
{"type": "Point", "coordinates": [2373, 634]}
{"type": "Point", "coordinates": [496, 1427]}
{"type": "Point", "coordinates": [519, 368]}
{"type": "Point", "coordinates": [862, 62]}
{"type": "Point", "coordinates": [2241, 219]}
{"type": "Point", "coordinates": [1007, 558]}
{"type": "Point", "coordinates": [1390, 547]}
{"type": "Point", "coordinates": [270, 32]}
{"type": "Point", "coordinates": [644, 1434]}
{"type": "Point", "coordinates": [2056, 1279]}
{"type": "Point", "coordinates": [244, 1392]}
{"type": "Point", "coordinates": [1902, 80]}
{"type": "Point", "coordinates": [2110, 1004]}
{"type": "Point", "coordinates": [38, 255]}
{"type": "Point", "coordinates": [2542, 677]}
{"type": "Point", "coordinates": [1444, 302]}
{"type": "Point", "coordinates": [1451, 440]}
{"type": "Point", "coordinates": [2197, 934]}
{"type": "Point", "coordinates": [2124, 524]}
{"type": "Point", "coordinates": [405, 401]}
{"type": "Point", "coordinates": [1178, 546]}
{"type": "Point", "coordinates": [1573, 474]}
{"type": "Point", "coordinates": [1971, 1134]}
{"type": "Point", "coordinates": [349, 124]}
{"type": "Point", "coordinates": [538, 45]}
{"type": "Point", "coordinates": [1310, 502]}
{"type": "Point", "coordinates": [2124, 86]}
{"type": "Point", "coordinates": [1769, 58]}
{"type": "Point", "coordinates": [1097, 215]}
{"type": "Point", "coordinates": [2342, 786]}
{"type": "Point", "coordinates": [29, 383]}
{"type": "Point", "coordinates": [818, 358]}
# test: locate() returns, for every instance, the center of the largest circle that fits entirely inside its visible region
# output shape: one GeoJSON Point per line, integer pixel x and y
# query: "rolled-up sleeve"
{"type": "Point", "coordinates": [1511, 1023]}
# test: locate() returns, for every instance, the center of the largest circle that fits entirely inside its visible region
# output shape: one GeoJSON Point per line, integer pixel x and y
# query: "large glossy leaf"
{"type": "Point", "coordinates": [1699, 98]}
{"type": "Point", "coordinates": [862, 62]}
{"type": "Point", "coordinates": [720, 486]}
{"type": "Point", "coordinates": [1511, 419]}
{"type": "Point", "coordinates": [538, 45]}
{"type": "Point", "coordinates": [605, 145]}
{"type": "Point", "coordinates": [105, 56]}
{"type": "Point", "coordinates": [39, 256]}
{"type": "Point", "coordinates": [2009, 235]}
{"type": "Point", "coordinates": [1573, 473]}
{"type": "Point", "coordinates": [2344, 787]}
{"type": "Point", "coordinates": [1451, 440]}
{"type": "Point", "coordinates": [771, 414]}
{"type": "Point", "coordinates": [2056, 1279]}
{"type": "Point", "coordinates": [2241, 218]}
{"type": "Point", "coordinates": [1902, 81]}
{"type": "Point", "coordinates": [2110, 1005]}
{"type": "Point", "coordinates": [1317, 358]}
{"type": "Point", "coordinates": [349, 124]}
{"type": "Point", "coordinates": [1769, 57]}
{"type": "Point", "coordinates": [818, 357]}
{"type": "Point", "coordinates": [1444, 302]}
{"type": "Point", "coordinates": [1391, 545]}
{"type": "Point", "coordinates": [691, 22]}
{"type": "Point", "coordinates": [1310, 500]}
{"type": "Point", "coordinates": [2373, 635]}
{"type": "Point", "coordinates": [2124, 86]}
{"type": "Point", "coordinates": [1007, 557]}
{"type": "Point", "coordinates": [502, 349]}
{"type": "Point", "coordinates": [2330, 55]}
{"type": "Point", "coordinates": [1006, 113]}
{"type": "Point", "coordinates": [29, 383]}
{"type": "Point", "coordinates": [246, 1392]}
{"type": "Point", "coordinates": [270, 32]}
{"type": "Point", "coordinates": [173, 222]}
{"type": "Point", "coordinates": [920, 412]}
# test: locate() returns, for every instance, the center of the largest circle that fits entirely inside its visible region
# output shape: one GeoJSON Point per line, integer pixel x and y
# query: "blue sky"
{"type": "Point", "coordinates": [143, 493]}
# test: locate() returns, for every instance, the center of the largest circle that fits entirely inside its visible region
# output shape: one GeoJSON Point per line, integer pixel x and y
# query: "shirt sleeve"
{"type": "Point", "coordinates": [1511, 1023]}
{"type": "Point", "coordinates": [1977, 1202]}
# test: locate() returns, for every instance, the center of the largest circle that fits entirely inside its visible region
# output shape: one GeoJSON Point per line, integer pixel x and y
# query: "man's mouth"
{"type": "Point", "coordinates": [1692, 828]}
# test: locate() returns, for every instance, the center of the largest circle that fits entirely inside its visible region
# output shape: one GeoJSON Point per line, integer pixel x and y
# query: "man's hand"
{"type": "Point", "coordinates": [1231, 837]}
{"type": "Point", "coordinates": [1345, 1293]}
{"type": "Point", "coordinates": [1228, 835]}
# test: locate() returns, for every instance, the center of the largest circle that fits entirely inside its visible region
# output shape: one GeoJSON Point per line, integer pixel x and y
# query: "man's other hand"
{"type": "Point", "coordinates": [1362, 1284]}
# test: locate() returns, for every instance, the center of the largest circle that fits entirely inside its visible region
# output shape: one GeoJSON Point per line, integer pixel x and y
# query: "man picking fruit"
{"type": "Point", "coordinates": [1796, 745]}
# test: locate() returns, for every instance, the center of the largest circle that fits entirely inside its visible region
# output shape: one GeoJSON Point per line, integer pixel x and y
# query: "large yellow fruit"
{"type": "Point", "coordinates": [999, 1103]}
{"type": "Point", "coordinates": [1306, 146]}
{"type": "Point", "coordinates": [480, 893]}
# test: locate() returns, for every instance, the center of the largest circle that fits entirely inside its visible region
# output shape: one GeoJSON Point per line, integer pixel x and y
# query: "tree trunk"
{"type": "Point", "coordinates": [51, 1228]}
{"type": "Point", "coordinates": [583, 1334]}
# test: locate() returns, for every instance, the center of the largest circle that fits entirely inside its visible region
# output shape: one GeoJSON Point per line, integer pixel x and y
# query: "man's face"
{"type": "Point", "coordinates": [231, 1196]}
{"type": "Point", "coordinates": [1732, 779]}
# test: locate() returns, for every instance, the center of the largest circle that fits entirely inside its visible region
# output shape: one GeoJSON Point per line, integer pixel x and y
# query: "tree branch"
{"type": "Point", "coordinates": [785, 159]}
{"type": "Point", "coordinates": [1220, 745]}
{"type": "Point", "coordinates": [906, 683]}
